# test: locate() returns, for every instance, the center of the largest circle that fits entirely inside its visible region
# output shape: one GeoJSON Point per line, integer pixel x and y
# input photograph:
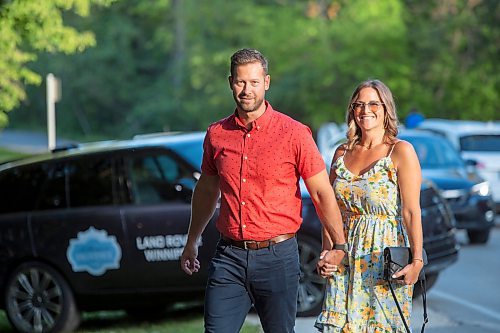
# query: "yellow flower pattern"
{"type": "Point", "coordinates": [358, 300]}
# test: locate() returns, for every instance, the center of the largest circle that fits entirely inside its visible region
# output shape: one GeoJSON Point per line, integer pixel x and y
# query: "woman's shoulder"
{"type": "Point", "coordinates": [402, 147]}
{"type": "Point", "coordinates": [340, 151]}
{"type": "Point", "coordinates": [403, 151]}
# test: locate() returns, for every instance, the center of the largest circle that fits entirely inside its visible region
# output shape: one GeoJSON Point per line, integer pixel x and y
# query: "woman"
{"type": "Point", "coordinates": [376, 179]}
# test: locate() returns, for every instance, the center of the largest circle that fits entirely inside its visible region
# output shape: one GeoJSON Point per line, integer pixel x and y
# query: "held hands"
{"type": "Point", "coordinates": [330, 262]}
{"type": "Point", "coordinates": [410, 272]}
{"type": "Point", "coordinates": [189, 263]}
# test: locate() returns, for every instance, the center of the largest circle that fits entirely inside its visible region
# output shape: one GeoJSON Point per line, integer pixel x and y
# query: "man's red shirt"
{"type": "Point", "coordinates": [259, 172]}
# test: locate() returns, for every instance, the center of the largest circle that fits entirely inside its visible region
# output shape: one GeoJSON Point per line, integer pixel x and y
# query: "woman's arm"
{"type": "Point", "coordinates": [409, 181]}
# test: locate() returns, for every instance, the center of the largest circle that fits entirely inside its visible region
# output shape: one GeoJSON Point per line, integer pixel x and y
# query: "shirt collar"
{"type": "Point", "coordinates": [259, 123]}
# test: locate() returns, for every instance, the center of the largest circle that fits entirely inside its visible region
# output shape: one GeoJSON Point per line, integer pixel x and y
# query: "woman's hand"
{"type": "Point", "coordinates": [330, 262]}
{"type": "Point", "coordinates": [410, 272]}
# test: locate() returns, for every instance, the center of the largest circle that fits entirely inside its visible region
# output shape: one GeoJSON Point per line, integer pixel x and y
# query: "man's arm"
{"type": "Point", "coordinates": [328, 211]}
{"type": "Point", "coordinates": [203, 204]}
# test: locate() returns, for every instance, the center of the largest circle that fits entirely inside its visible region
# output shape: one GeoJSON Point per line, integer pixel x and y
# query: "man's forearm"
{"type": "Point", "coordinates": [331, 219]}
{"type": "Point", "coordinates": [203, 205]}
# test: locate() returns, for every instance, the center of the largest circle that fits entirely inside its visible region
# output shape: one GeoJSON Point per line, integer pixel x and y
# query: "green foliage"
{"type": "Point", "coordinates": [456, 47]}
{"type": "Point", "coordinates": [29, 27]}
{"type": "Point", "coordinates": [163, 65]}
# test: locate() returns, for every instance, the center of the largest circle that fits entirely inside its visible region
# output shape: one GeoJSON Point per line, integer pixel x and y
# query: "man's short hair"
{"type": "Point", "coordinates": [247, 56]}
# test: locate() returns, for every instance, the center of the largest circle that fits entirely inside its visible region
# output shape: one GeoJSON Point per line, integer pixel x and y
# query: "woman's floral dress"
{"type": "Point", "coordinates": [358, 300]}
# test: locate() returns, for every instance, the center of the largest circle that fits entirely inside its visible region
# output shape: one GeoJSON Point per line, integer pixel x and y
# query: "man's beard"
{"type": "Point", "coordinates": [249, 107]}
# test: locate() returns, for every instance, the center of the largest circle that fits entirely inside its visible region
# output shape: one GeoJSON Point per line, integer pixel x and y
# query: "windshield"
{"type": "Point", "coordinates": [192, 151]}
{"type": "Point", "coordinates": [435, 153]}
{"type": "Point", "coordinates": [480, 143]}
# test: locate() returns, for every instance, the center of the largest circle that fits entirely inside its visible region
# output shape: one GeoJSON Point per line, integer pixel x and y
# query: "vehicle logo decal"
{"type": "Point", "coordinates": [94, 251]}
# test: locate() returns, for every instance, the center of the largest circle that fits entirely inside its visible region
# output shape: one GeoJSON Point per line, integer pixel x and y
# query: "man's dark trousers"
{"type": "Point", "coordinates": [266, 278]}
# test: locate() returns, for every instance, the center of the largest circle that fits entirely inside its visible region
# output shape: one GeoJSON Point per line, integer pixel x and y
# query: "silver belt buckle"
{"type": "Point", "coordinates": [245, 244]}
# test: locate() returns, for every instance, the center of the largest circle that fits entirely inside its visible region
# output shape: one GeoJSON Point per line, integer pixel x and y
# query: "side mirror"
{"type": "Point", "coordinates": [184, 188]}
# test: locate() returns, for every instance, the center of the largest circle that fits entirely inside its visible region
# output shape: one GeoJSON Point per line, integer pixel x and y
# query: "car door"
{"type": "Point", "coordinates": [77, 225]}
{"type": "Point", "coordinates": [159, 186]}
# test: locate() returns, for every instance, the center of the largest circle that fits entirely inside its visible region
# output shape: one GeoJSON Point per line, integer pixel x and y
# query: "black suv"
{"type": "Point", "coordinates": [467, 194]}
{"type": "Point", "coordinates": [102, 226]}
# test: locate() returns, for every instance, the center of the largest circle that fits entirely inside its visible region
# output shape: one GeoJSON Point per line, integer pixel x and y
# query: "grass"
{"type": "Point", "coordinates": [7, 155]}
{"type": "Point", "coordinates": [188, 320]}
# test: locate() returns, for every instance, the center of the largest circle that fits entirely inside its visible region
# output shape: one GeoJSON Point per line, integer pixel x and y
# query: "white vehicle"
{"type": "Point", "coordinates": [329, 137]}
{"type": "Point", "coordinates": [477, 141]}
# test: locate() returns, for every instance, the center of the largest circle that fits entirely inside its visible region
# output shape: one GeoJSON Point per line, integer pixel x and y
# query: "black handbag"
{"type": "Point", "coordinates": [395, 259]}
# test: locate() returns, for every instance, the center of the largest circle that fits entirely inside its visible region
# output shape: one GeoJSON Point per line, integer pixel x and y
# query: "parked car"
{"type": "Point", "coordinates": [468, 195]}
{"type": "Point", "coordinates": [479, 144]}
{"type": "Point", "coordinates": [102, 226]}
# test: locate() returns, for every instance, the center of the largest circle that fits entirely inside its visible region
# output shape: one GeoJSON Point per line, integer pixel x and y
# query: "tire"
{"type": "Point", "coordinates": [38, 299]}
{"type": "Point", "coordinates": [478, 236]}
{"type": "Point", "coordinates": [430, 281]}
{"type": "Point", "coordinates": [311, 284]}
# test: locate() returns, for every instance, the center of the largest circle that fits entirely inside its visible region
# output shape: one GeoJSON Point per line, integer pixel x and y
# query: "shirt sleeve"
{"type": "Point", "coordinates": [208, 164]}
{"type": "Point", "coordinates": [309, 160]}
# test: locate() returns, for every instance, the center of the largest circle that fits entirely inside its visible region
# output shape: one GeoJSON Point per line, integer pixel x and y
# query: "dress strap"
{"type": "Point", "coordinates": [345, 149]}
{"type": "Point", "coordinates": [334, 163]}
{"type": "Point", "coordinates": [392, 148]}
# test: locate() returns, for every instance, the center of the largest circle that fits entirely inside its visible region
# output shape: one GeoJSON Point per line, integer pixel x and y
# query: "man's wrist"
{"type": "Point", "coordinates": [341, 246]}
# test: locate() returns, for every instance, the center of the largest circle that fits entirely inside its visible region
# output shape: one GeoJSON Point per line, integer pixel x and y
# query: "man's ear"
{"type": "Point", "coordinates": [267, 82]}
{"type": "Point", "coordinates": [230, 80]}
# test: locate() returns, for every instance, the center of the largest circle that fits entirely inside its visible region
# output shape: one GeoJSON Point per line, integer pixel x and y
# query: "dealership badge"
{"type": "Point", "coordinates": [94, 251]}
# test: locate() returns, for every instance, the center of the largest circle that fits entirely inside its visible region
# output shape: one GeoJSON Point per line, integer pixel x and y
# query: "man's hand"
{"type": "Point", "coordinates": [330, 262]}
{"type": "Point", "coordinates": [189, 263]}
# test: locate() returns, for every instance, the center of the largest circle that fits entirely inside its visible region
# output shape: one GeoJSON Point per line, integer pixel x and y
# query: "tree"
{"type": "Point", "coordinates": [456, 47]}
{"type": "Point", "coordinates": [28, 28]}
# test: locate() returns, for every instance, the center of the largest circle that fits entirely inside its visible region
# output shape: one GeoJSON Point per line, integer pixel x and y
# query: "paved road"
{"type": "Point", "coordinates": [466, 297]}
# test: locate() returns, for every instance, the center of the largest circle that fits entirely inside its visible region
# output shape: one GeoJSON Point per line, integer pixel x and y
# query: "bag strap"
{"type": "Point", "coordinates": [424, 301]}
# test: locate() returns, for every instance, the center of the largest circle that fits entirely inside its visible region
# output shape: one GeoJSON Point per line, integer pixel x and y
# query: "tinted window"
{"type": "Point", "coordinates": [90, 182]}
{"type": "Point", "coordinates": [20, 188]}
{"type": "Point", "coordinates": [480, 143]}
{"type": "Point", "coordinates": [158, 178]}
{"type": "Point", "coordinates": [52, 194]}
{"type": "Point", "coordinates": [191, 151]}
{"type": "Point", "coordinates": [434, 153]}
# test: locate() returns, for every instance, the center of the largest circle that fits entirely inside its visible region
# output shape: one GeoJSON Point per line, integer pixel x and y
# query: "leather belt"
{"type": "Point", "coordinates": [255, 245]}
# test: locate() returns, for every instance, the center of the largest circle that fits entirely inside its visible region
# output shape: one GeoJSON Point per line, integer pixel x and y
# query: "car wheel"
{"type": "Point", "coordinates": [38, 299]}
{"type": "Point", "coordinates": [478, 236]}
{"type": "Point", "coordinates": [430, 281]}
{"type": "Point", "coordinates": [311, 285]}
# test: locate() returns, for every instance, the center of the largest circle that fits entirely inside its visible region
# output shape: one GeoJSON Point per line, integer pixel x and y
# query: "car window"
{"type": "Point", "coordinates": [190, 151]}
{"type": "Point", "coordinates": [435, 152]}
{"type": "Point", "coordinates": [480, 143]}
{"type": "Point", "coordinates": [157, 178]}
{"type": "Point", "coordinates": [20, 188]}
{"type": "Point", "coordinates": [52, 194]}
{"type": "Point", "coordinates": [90, 181]}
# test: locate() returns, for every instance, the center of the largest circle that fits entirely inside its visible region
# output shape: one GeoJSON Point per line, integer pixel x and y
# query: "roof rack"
{"type": "Point", "coordinates": [154, 135]}
{"type": "Point", "coordinates": [65, 147]}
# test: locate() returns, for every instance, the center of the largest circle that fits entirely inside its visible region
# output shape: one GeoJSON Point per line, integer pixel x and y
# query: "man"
{"type": "Point", "coordinates": [253, 159]}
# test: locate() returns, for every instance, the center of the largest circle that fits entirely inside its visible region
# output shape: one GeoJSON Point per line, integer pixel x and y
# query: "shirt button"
{"type": "Point", "coordinates": [245, 157]}
{"type": "Point", "coordinates": [258, 127]}
{"type": "Point", "coordinates": [243, 203]}
{"type": "Point", "coordinates": [244, 180]}
{"type": "Point", "coordinates": [248, 135]}
{"type": "Point", "coordinates": [244, 225]}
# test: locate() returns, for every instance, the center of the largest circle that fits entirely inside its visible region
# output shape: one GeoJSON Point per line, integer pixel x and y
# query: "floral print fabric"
{"type": "Point", "coordinates": [357, 298]}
